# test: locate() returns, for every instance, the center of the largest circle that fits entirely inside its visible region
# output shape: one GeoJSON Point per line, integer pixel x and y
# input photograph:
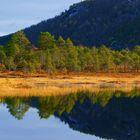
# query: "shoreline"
{"type": "Point", "coordinates": [19, 74]}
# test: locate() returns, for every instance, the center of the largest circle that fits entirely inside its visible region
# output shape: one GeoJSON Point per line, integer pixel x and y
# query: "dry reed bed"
{"type": "Point", "coordinates": [54, 91]}
{"type": "Point", "coordinates": [60, 85]}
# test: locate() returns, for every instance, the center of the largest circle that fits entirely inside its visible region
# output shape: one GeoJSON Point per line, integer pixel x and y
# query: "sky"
{"type": "Point", "coordinates": [18, 14]}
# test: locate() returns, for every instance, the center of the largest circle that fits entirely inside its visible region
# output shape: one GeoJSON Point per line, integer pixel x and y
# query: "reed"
{"type": "Point", "coordinates": [60, 85]}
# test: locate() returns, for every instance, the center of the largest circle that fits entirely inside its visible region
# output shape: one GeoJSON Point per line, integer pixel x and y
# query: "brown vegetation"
{"type": "Point", "coordinates": [13, 84]}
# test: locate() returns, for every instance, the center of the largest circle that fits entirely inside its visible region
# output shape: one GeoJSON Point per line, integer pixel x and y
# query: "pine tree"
{"type": "Point", "coordinates": [46, 41]}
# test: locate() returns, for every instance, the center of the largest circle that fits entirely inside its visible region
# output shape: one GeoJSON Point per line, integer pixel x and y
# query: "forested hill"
{"type": "Point", "coordinates": [115, 23]}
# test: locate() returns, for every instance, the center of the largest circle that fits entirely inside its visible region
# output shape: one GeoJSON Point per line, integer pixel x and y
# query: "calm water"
{"type": "Point", "coordinates": [82, 116]}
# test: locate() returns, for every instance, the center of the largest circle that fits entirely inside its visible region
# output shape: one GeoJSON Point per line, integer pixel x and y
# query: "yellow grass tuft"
{"type": "Point", "coordinates": [60, 85]}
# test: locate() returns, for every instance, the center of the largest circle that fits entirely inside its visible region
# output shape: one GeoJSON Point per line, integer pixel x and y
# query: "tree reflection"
{"type": "Point", "coordinates": [17, 107]}
{"type": "Point", "coordinates": [111, 115]}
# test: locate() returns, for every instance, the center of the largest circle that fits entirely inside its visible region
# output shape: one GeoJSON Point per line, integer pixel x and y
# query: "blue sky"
{"type": "Point", "coordinates": [18, 14]}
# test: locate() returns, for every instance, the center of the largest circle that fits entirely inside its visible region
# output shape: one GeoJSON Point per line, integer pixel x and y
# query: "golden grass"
{"type": "Point", "coordinates": [60, 85]}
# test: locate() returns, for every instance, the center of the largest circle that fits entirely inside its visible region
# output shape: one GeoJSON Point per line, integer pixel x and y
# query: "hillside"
{"type": "Point", "coordinates": [115, 23]}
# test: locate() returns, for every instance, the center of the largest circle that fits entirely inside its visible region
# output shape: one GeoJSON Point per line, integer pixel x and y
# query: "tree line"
{"type": "Point", "coordinates": [50, 105]}
{"type": "Point", "coordinates": [59, 55]}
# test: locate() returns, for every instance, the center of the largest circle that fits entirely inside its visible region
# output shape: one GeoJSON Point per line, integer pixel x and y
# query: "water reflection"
{"type": "Point", "coordinates": [110, 115]}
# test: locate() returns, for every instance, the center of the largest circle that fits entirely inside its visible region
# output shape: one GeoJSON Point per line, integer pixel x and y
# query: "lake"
{"type": "Point", "coordinates": [85, 116]}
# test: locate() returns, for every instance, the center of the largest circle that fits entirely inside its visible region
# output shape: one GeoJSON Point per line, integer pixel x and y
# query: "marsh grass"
{"type": "Point", "coordinates": [59, 85]}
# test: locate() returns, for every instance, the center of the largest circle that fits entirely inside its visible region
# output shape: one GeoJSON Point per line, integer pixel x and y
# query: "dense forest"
{"type": "Point", "coordinates": [53, 55]}
{"type": "Point", "coordinates": [115, 23]}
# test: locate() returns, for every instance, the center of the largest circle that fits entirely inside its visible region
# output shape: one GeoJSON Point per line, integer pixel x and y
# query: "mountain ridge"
{"type": "Point", "coordinates": [115, 23]}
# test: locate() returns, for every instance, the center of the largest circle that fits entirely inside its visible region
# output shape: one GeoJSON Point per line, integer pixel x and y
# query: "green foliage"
{"type": "Point", "coordinates": [95, 59]}
{"type": "Point", "coordinates": [51, 105]}
{"type": "Point", "coordinates": [12, 49]}
{"type": "Point", "coordinates": [106, 59]}
{"type": "Point", "coordinates": [46, 41]}
{"type": "Point", "coordinates": [136, 50]}
{"type": "Point", "coordinates": [10, 64]}
{"type": "Point", "coordinates": [20, 40]}
{"type": "Point", "coordinates": [16, 107]}
{"type": "Point", "coordinates": [63, 56]}
{"type": "Point", "coordinates": [69, 43]}
{"type": "Point", "coordinates": [2, 55]}
{"type": "Point", "coordinates": [72, 61]}
{"type": "Point", "coordinates": [61, 42]}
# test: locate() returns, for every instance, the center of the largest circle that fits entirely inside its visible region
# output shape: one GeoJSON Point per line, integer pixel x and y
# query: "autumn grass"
{"type": "Point", "coordinates": [60, 84]}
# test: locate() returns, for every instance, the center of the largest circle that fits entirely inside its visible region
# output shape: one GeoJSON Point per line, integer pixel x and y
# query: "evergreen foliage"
{"type": "Point", "coordinates": [60, 55]}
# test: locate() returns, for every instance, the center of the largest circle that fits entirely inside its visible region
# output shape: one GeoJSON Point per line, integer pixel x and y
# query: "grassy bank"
{"type": "Point", "coordinates": [13, 84]}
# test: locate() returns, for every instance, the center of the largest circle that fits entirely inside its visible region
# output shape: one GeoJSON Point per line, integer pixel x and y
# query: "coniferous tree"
{"type": "Point", "coordinates": [63, 56]}
{"type": "Point", "coordinates": [46, 41]}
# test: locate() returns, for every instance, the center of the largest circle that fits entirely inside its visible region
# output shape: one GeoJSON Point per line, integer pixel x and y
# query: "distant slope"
{"type": "Point", "coordinates": [115, 23]}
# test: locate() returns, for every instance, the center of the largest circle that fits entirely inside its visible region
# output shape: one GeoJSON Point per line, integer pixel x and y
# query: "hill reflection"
{"type": "Point", "coordinates": [110, 115]}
